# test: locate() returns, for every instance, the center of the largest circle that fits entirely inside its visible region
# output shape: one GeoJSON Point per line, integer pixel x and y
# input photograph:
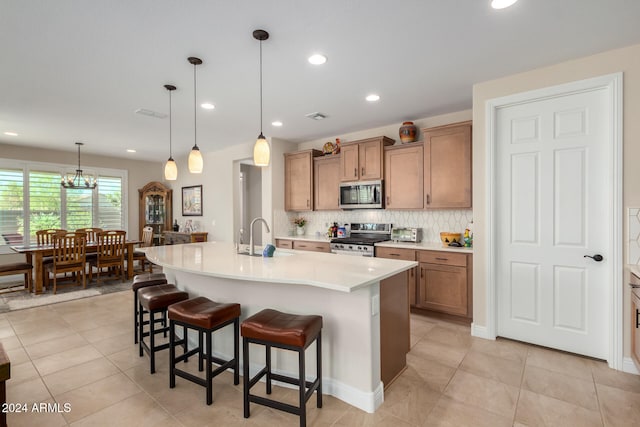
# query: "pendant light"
{"type": "Point", "coordinates": [170, 168]}
{"type": "Point", "coordinates": [195, 157]}
{"type": "Point", "coordinates": [261, 151]}
{"type": "Point", "coordinates": [78, 181]}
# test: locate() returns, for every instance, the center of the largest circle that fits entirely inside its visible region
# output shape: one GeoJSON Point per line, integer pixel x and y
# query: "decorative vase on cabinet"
{"type": "Point", "coordinates": [408, 132]}
{"type": "Point", "coordinates": [300, 231]}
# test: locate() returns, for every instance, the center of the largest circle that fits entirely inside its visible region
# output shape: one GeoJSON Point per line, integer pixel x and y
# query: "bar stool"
{"type": "Point", "coordinates": [152, 300]}
{"type": "Point", "coordinates": [142, 281]}
{"type": "Point", "coordinates": [272, 328]}
{"type": "Point", "coordinates": [206, 317]}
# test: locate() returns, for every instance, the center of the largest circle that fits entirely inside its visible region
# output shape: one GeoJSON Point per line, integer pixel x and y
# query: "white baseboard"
{"type": "Point", "coordinates": [480, 332]}
{"type": "Point", "coordinates": [629, 367]}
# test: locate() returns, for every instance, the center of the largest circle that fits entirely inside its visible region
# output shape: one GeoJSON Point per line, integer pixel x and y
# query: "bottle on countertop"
{"type": "Point", "coordinates": [176, 227]}
{"type": "Point", "coordinates": [334, 230]}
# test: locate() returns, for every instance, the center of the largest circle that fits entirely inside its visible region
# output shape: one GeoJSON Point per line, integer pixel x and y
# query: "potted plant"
{"type": "Point", "coordinates": [300, 222]}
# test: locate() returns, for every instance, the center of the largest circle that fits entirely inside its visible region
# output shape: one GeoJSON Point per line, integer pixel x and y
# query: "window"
{"type": "Point", "coordinates": [32, 199]}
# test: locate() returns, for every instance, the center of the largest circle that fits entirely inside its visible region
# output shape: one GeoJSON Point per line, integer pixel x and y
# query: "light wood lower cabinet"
{"type": "Point", "coordinates": [284, 243]}
{"type": "Point", "coordinates": [445, 282]}
{"type": "Point", "coordinates": [406, 255]}
{"type": "Point", "coordinates": [635, 321]}
{"type": "Point", "coordinates": [305, 245]}
{"type": "Point", "coordinates": [175, 238]}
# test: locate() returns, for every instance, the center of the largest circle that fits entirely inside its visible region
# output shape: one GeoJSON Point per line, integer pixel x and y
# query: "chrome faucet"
{"type": "Point", "coordinates": [251, 232]}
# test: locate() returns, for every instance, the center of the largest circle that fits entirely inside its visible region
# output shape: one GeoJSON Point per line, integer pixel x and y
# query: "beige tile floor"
{"type": "Point", "coordinates": [81, 353]}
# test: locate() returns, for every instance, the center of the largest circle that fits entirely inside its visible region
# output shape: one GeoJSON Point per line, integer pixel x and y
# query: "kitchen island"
{"type": "Point", "coordinates": [363, 301]}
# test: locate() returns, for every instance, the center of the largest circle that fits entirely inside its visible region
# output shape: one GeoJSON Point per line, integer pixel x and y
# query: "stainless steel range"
{"type": "Point", "coordinates": [363, 237]}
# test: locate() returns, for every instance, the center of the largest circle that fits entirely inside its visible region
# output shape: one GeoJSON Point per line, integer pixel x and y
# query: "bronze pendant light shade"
{"type": "Point", "coordinates": [195, 157]}
{"type": "Point", "coordinates": [261, 150]}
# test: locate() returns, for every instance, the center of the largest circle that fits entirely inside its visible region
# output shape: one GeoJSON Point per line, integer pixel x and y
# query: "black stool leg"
{"type": "Point", "coordinates": [172, 354]}
{"type": "Point", "coordinates": [135, 317]}
{"type": "Point", "coordinates": [201, 352]}
{"type": "Point", "coordinates": [236, 351]}
{"type": "Point", "coordinates": [245, 376]}
{"type": "Point", "coordinates": [185, 346]}
{"type": "Point", "coordinates": [302, 388]}
{"type": "Point", "coordinates": [152, 340]}
{"type": "Point", "coordinates": [319, 369]}
{"type": "Point", "coordinates": [268, 360]}
{"type": "Point", "coordinates": [209, 371]}
{"type": "Point", "coordinates": [140, 328]}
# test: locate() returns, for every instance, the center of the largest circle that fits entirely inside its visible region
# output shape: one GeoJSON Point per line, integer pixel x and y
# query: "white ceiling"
{"type": "Point", "coordinates": [75, 70]}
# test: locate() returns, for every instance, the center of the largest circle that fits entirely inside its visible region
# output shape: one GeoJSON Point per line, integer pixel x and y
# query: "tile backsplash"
{"type": "Point", "coordinates": [431, 222]}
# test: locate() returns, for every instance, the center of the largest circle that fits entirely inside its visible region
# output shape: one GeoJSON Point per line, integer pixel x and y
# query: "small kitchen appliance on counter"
{"type": "Point", "coordinates": [361, 240]}
{"type": "Point", "coordinates": [406, 234]}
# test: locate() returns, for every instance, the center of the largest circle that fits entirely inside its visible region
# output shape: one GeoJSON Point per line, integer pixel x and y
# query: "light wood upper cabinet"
{"type": "Point", "coordinates": [403, 176]}
{"type": "Point", "coordinates": [447, 166]}
{"type": "Point", "coordinates": [298, 180]}
{"type": "Point", "coordinates": [363, 160]}
{"type": "Point", "coordinates": [326, 183]}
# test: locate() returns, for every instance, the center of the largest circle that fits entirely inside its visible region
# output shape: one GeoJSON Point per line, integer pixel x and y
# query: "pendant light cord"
{"type": "Point", "coordinates": [260, 87]}
{"type": "Point", "coordinates": [195, 126]}
{"type": "Point", "coordinates": [78, 157]}
{"type": "Point", "coordinates": [170, 129]}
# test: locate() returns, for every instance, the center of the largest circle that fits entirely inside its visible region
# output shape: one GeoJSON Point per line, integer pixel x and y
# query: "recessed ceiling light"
{"type": "Point", "coordinates": [373, 97]}
{"type": "Point", "coordinates": [11, 133]}
{"type": "Point", "coordinates": [501, 4]}
{"type": "Point", "coordinates": [208, 106]}
{"type": "Point", "coordinates": [130, 150]}
{"type": "Point", "coordinates": [317, 59]}
{"type": "Point", "coordinates": [277, 123]}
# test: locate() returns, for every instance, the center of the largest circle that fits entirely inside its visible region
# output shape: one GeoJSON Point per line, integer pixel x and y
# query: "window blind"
{"type": "Point", "coordinates": [110, 215]}
{"type": "Point", "coordinates": [11, 206]}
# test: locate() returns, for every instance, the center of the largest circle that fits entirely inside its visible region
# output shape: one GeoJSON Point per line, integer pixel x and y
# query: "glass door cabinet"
{"type": "Point", "coordinates": [155, 209]}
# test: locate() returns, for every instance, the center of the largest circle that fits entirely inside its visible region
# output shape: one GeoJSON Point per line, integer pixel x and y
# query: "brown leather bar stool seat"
{"type": "Point", "coordinates": [142, 281]}
{"type": "Point", "coordinates": [206, 317]}
{"type": "Point", "coordinates": [272, 328]}
{"type": "Point", "coordinates": [18, 268]}
{"type": "Point", "coordinates": [153, 300]}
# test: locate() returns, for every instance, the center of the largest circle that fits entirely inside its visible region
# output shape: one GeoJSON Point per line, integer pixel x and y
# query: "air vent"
{"type": "Point", "coordinates": [150, 113]}
{"type": "Point", "coordinates": [316, 116]}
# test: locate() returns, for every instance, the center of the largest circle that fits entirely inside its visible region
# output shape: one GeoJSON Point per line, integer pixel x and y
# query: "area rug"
{"type": "Point", "coordinates": [17, 298]}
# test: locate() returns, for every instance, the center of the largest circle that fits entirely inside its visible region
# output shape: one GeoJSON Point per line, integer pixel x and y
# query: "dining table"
{"type": "Point", "coordinates": [35, 255]}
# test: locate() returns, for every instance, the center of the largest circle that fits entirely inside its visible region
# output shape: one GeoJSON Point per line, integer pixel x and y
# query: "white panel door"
{"type": "Point", "coordinates": [552, 172]}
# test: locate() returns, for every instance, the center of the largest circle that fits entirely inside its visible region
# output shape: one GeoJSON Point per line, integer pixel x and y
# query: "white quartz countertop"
{"type": "Point", "coordinates": [424, 246]}
{"type": "Point", "coordinates": [324, 270]}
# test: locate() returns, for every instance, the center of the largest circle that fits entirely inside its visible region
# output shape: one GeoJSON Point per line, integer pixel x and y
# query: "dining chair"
{"type": "Point", "coordinates": [45, 237]}
{"type": "Point", "coordinates": [69, 250]}
{"type": "Point", "coordinates": [92, 233]}
{"type": "Point", "coordinates": [147, 240]}
{"type": "Point", "coordinates": [110, 253]}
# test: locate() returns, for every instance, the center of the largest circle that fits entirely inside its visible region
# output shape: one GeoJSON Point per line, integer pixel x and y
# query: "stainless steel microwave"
{"type": "Point", "coordinates": [361, 195]}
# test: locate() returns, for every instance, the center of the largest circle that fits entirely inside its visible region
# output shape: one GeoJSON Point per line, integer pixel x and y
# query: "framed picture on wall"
{"type": "Point", "coordinates": [192, 200]}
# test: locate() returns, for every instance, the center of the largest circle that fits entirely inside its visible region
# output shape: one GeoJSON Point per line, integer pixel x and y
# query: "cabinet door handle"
{"type": "Point", "coordinates": [388, 200]}
{"type": "Point", "coordinates": [633, 285]}
{"type": "Point", "coordinates": [637, 318]}
{"type": "Point", "coordinates": [442, 259]}
{"type": "Point", "coordinates": [362, 172]}
{"type": "Point", "coordinates": [428, 199]}
{"type": "Point", "coordinates": [355, 172]}
{"type": "Point", "coordinates": [307, 202]}
{"type": "Point", "coordinates": [411, 273]}
{"type": "Point", "coordinates": [394, 254]}
{"type": "Point", "coordinates": [422, 273]}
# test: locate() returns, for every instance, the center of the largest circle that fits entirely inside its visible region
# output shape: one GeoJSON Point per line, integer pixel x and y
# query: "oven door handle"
{"type": "Point", "coordinates": [350, 253]}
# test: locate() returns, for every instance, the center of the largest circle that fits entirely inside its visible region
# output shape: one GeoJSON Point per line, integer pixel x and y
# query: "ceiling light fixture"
{"type": "Point", "coordinates": [78, 180]}
{"type": "Point", "coordinates": [11, 133]}
{"type": "Point", "coordinates": [170, 168]}
{"type": "Point", "coordinates": [277, 123]}
{"type": "Point", "coordinates": [317, 59]}
{"type": "Point", "coordinates": [501, 4]}
{"type": "Point", "coordinates": [208, 106]}
{"type": "Point", "coordinates": [373, 97]}
{"type": "Point", "coordinates": [195, 157]}
{"type": "Point", "coordinates": [261, 151]}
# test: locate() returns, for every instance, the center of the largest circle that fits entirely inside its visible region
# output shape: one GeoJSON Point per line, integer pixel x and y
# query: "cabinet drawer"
{"type": "Point", "coordinates": [442, 257]}
{"type": "Point", "coordinates": [396, 253]}
{"type": "Point", "coordinates": [284, 244]}
{"type": "Point", "coordinates": [311, 246]}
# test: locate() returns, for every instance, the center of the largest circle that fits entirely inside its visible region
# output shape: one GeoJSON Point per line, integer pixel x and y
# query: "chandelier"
{"type": "Point", "coordinates": [78, 180]}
